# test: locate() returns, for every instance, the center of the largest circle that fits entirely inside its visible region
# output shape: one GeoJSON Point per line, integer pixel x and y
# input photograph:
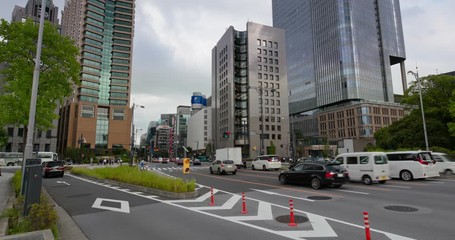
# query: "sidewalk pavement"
{"type": "Point", "coordinates": [68, 229]}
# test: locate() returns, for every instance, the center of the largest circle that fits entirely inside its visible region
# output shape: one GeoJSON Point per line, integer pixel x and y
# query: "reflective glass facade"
{"type": "Point", "coordinates": [339, 50]}
{"type": "Point", "coordinates": [103, 30]}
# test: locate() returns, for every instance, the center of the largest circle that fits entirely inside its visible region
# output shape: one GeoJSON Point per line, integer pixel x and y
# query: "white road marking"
{"type": "Point", "coordinates": [283, 195]}
{"type": "Point", "coordinates": [64, 183]}
{"type": "Point", "coordinates": [349, 191]}
{"type": "Point", "coordinates": [393, 186]}
{"type": "Point", "coordinates": [324, 228]}
{"type": "Point", "coordinates": [227, 205]}
{"type": "Point", "coordinates": [124, 205]}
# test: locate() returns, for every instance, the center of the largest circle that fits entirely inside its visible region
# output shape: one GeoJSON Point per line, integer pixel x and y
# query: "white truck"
{"type": "Point", "coordinates": [231, 153]}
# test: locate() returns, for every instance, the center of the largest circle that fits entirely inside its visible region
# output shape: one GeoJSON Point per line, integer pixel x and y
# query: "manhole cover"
{"type": "Point", "coordinates": [401, 208]}
{"type": "Point", "coordinates": [319, 198]}
{"type": "Point", "coordinates": [286, 219]}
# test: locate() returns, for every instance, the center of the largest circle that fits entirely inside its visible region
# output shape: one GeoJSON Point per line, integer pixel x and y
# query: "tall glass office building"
{"type": "Point", "coordinates": [339, 56]}
{"type": "Point", "coordinates": [98, 115]}
{"type": "Point", "coordinates": [339, 50]}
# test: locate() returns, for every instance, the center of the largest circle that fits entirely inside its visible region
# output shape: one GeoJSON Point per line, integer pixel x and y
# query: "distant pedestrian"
{"type": "Point", "coordinates": [105, 161]}
{"type": "Point", "coordinates": [142, 164]}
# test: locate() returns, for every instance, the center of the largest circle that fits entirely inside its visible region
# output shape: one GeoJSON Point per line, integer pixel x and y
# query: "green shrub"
{"type": "Point", "coordinates": [42, 216]}
{"type": "Point", "coordinates": [132, 175]}
{"type": "Point", "coordinates": [17, 181]}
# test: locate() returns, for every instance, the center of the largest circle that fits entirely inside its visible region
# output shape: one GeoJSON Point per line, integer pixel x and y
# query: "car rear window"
{"type": "Point", "coordinates": [228, 162]}
{"type": "Point", "coordinates": [380, 159]}
{"type": "Point", "coordinates": [334, 167]}
{"type": "Point", "coordinates": [53, 164]}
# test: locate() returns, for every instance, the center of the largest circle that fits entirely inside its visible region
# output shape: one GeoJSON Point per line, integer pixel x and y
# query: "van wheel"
{"type": "Point", "coordinates": [406, 175]}
{"type": "Point", "coordinates": [448, 172]}
{"type": "Point", "coordinates": [315, 183]}
{"type": "Point", "coordinates": [10, 164]}
{"type": "Point", "coordinates": [367, 180]}
{"type": "Point", "coordinates": [382, 181]}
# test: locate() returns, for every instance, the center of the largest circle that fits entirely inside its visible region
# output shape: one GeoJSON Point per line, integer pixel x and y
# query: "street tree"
{"type": "Point", "coordinates": [59, 71]}
{"type": "Point", "coordinates": [438, 96]}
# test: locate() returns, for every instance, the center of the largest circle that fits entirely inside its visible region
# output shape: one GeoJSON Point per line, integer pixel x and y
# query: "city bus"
{"type": "Point", "coordinates": [11, 158]}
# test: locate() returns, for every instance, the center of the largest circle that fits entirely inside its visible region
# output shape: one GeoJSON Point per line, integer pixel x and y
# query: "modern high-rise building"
{"type": "Point", "coordinates": [98, 115]}
{"type": "Point", "coordinates": [249, 90]}
{"type": "Point", "coordinates": [340, 53]}
{"type": "Point", "coordinates": [42, 141]}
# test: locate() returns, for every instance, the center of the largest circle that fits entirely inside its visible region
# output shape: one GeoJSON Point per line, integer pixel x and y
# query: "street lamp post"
{"type": "Point", "coordinates": [132, 131]}
{"type": "Point", "coordinates": [416, 75]}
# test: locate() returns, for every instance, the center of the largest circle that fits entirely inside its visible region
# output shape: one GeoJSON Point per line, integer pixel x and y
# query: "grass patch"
{"type": "Point", "coordinates": [132, 175]}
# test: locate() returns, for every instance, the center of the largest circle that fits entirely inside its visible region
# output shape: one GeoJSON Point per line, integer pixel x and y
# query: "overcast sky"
{"type": "Point", "coordinates": [174, 38]}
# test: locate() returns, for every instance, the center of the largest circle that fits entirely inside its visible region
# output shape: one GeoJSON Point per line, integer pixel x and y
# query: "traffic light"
{"type": "Point", "coordinates": [226, 134]}
{"type": "Point", "coordinates": [186, 165]}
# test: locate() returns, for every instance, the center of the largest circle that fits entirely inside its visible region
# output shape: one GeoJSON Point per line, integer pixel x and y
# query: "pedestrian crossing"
{"type": "Point", "coordinates": [172, 169]}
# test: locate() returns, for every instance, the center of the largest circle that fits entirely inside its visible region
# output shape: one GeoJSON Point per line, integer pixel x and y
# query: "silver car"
{"type": "Point", "coordinates": [223, 167]}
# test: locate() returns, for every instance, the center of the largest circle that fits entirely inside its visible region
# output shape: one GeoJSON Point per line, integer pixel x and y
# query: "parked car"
{"type": "Point", "coordinates": [53, 168]}
{"type": "Point", "coordinates": [165, 160]}
{"type": "Point", "coordinates": [223, 167]}
{"type": "Point", "coordinates": [179, 161]}
{"type": "Point", "coordinates": [196, 161]}
{"type": "Point", "coordinates": [409, 165]}
{"type": "Point", "coordinates": [367, 167]}
{"type": "Point", "coordinates": [444, 163]}
{"type": "Point", "coordinates": [266, 162]}
{"type": "Point", "coordinates": [316, 174]}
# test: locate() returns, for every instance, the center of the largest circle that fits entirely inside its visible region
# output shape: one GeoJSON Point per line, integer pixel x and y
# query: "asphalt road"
{"type": "Point", "coordinates": [397, 210]}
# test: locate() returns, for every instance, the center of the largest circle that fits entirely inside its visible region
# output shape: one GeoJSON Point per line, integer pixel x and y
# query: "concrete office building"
{"type": "Point", "coordinates": [340, 53]}
{"type": "Point", "coordinates": [200, 129]}
{"type": "Point", "coordinates": [42, 141]}
{"type": "Point", "coordinates": [249, 90]}
{"type": "Point", "coordinates": [98, 115]}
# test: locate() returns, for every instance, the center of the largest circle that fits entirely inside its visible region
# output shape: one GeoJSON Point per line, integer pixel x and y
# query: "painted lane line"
{"type": "Point", "coordinates": [350, 191]}
{"type": "Point", "coordinates": [264, 213]}
{"type": "Point", "coordinates": [67, 184]}
{"type": "Point", "coordinates": [279, 233]}
{"type": "Point", "coordinates": [282, 195]}
{"type": "Point", "coordinates": [437, 182]}
{"type": "Point", "coordinates": [229, 204]}
{"type": "Point", "coordinates": [393, 186]}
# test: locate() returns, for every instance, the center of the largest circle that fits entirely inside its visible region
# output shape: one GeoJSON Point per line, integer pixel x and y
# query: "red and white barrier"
{"type": "Point", "coordinates": [291, 216]}
{"type": "Point", "coordinates": [244, 211]}
{"type": "Point", "coordinates": [366, 221]}
{"type": "Point", "coordinates": [212, 198]}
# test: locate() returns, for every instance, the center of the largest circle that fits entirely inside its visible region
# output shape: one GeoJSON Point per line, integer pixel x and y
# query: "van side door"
{"type": "Point", "coordinates": [352, 165]}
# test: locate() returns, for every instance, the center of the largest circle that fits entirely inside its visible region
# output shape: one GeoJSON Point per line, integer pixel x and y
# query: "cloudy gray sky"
{"type": "Point", "coordinates": [174, 38]}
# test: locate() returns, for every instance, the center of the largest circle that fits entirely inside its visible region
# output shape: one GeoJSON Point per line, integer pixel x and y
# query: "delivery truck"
{"type": "Point", "coordinates": [230, 153]}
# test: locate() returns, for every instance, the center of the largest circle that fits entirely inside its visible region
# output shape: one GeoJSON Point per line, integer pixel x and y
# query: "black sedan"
{"type": "Point", "coordinates": [316, 174]}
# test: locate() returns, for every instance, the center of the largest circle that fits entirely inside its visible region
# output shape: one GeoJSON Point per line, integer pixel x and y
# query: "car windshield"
{"type": "Point", "coordinates": [228, 162]}
{"type": "Point", "coordinates": [380, 159]}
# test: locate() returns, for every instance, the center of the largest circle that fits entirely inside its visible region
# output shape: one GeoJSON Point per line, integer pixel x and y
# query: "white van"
{"type": "Point", "coordinates": [409, 165]}
{"type": "Point", "coordinates": [46, 156]}
{"type": "Point", "coordinates": [367, 167]}
{"type": "Point", "coordinates": [444, 163]}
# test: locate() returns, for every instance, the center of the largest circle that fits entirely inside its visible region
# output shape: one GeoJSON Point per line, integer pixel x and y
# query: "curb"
{"type": "Point", "coordinates": [153, 191]}
{"type": "Point", "coordinates": [67, 228]}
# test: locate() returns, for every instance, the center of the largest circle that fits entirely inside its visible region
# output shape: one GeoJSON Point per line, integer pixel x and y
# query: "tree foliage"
{"type": "Point", "coordinates": [438, 96]}
{"type": "Point", "coordinates": [58, 72]}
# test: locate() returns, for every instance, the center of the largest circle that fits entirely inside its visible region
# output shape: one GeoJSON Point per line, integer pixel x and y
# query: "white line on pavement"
{"type": "Point", "coordinates": [349, 191]}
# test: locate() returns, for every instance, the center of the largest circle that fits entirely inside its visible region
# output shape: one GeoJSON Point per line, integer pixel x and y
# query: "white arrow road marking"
{"type": "Point", "coordinates": [199, 199]}
{"type": "Point", "coordinates": [264, 213]}
{"type": "Point", "coordinates": [283, 195]}
{"type": "Point", "coordinates": [319, 223]}
{"type": "Point", "coordinates": [124, 205]}
{"type": "Point", "coordinates": [64, 183]}
{"type": "Point", "coordinates": [393, 186]}
{"type": "Point", "coordinates": [229, 204]}
{"type": "Point", "coordinates": [321, 228]}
